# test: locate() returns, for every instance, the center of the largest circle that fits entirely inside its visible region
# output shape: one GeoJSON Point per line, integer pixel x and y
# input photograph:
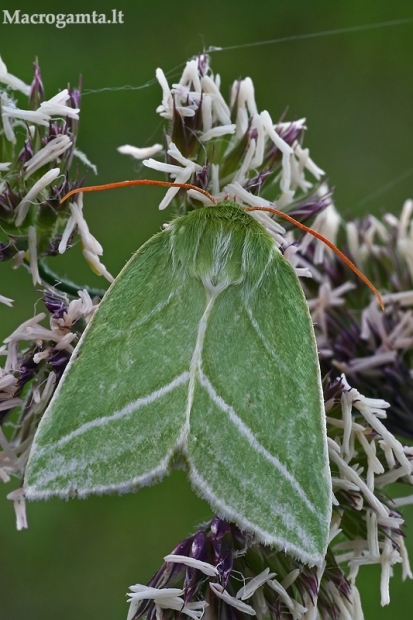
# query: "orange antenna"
{"type": "Point", "coordinates": [327, 242]}
{"type": "Point", "coordinates": [98, 188]}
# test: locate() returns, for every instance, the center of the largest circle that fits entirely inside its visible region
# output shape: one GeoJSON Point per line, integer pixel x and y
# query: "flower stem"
{"type": "Point", "coordinates": [65, 285]}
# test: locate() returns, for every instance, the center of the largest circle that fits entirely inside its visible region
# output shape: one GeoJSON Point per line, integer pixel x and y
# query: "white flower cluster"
{"type": "Point", "coordinates": [367, 244]}
{"type": "Point", "coordinates": [346, 453]}
{"type": "Point", "coordinates": [59, 337]}
{"type": "Point", "coordinates": [51, 153]}
{"type": "Point", "coordinates": [166, 598]}
{"type": "Point", "coordinates": [12, 115]}
{"type": "Point", "coordinates": [199, 92]}
{"type": "Point", "coordinates": [252, 591]}
{"type": "Point", "coordinates": [91, 247]}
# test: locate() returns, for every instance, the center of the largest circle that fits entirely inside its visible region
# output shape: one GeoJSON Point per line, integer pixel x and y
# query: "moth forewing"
{"type": "Point", "coordinates": [204, 349]}
{"type": "Point", "coordinates": [104, 429]}
{"type": "Point", "coordinates": [265, 431]}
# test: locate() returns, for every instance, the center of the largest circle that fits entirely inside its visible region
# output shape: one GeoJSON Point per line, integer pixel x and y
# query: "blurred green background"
{"type": "Point", "coordinates": [78, 558]}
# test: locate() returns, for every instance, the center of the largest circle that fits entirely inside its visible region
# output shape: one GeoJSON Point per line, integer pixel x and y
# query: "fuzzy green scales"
{"type": "Point", "coordinates": [202, 353]}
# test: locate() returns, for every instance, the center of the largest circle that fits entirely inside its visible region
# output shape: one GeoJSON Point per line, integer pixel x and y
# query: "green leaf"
{"type": "Point", "coordinates": [202, 353]}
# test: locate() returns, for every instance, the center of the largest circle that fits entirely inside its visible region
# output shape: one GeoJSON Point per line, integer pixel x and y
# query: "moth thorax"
{"type": "Point", "coordinates": [221, 246]}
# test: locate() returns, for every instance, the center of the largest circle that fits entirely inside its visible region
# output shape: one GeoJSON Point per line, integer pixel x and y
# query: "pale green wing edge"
{"type": "Point", "coordinates": [118, 414]}
{"type": "Point", "coordinates": [257, 449]}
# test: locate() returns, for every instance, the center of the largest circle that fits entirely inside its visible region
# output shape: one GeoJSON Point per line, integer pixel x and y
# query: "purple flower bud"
{"type": "Point", "coordinates": [55, 303]}
{"type": "Point", "coordinates": [222, 544]}
{"type": "Point", "coordinates": [311, 206]}
{"type": "Point", "coordinates": [37, 88]}
{"type": "Point", "coordinates": [202, 178]}
{"type": "Point", "coordinates": [75, 95]}
{"type": "Point", "coordinates": [254, 185]}
{"type": "Point", "coordinates": [27, 152]}
{"type": "Point", "coordinates": [198, 547]}
{"type": "Point", "coordinates": [198, 551]}
{"type": "Point", "coordinates": [57, 128]}
{"type": "Point", "coordinates": [27, 368]}
{"type": "Point", "coordinates": [58, 361]}
{"type": "Point", "coordinates": [203, 64]}
{"type": "Point", "coordinates": [292, 132]}
{"type": "Point", "coordinates": [9, 200]}
{"type": "Point", "coordinates": [184, 547]}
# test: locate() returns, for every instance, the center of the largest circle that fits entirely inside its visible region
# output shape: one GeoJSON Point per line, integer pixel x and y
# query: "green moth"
{"type": "Point", "coordinates": [202, 355]}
